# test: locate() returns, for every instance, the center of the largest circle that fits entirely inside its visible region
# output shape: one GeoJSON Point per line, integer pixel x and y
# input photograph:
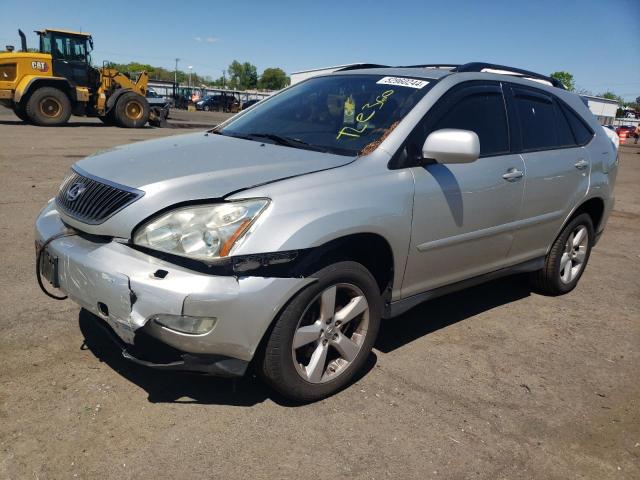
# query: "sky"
{"type": "Point", "coordinates": [598, 41]}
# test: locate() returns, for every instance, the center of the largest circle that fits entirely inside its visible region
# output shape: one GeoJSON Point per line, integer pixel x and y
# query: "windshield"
{"type": "Point", "coordinates": [343, 114]}
{"type": "Point", "coordinates": [65, 47]}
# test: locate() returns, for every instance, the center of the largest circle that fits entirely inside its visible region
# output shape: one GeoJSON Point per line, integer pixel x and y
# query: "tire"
{"type": "Point", "coordinates": [131, 110]}
{"type": "Point", "coordinates": [206, 108]}
{"type": "Point", "coordinates": [48, 106]}
{"type": "Point", "coordinates": [21, 113]}
{"type": "Point", "coordinates": [285, 368]}
{"type": "Point", "coordinates": [108, 119]}
{"type": "Point", "coordinates": [566, 261]}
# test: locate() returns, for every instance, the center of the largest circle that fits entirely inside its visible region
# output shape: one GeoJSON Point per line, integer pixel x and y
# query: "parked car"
{"type": "Point", "coordinates": [249, 103]}
{"type": "Point", "coordinates": [155, 99]}
{"type": "Point", "coordinates": [281, 238]}
{"type": "Point", "coordinates": [628, 129]}
{"type": "Point", "coordinates": [151, 93]}
{"type": "Point", "coordinates": [217, 103]}
{"type": "Point", "coordinates": [613, 136]}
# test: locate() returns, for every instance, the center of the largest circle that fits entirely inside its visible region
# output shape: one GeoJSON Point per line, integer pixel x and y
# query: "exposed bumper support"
{"type": "Point", "coordinates": [208, 364]}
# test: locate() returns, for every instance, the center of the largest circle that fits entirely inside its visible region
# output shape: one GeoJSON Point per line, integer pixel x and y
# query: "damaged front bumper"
{"type": "Point", "coordinates": [122, 286]}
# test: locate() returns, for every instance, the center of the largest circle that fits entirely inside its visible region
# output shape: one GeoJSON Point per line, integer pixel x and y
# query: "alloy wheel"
{"type": "Point", "coordinates": [330, 333]}
{"type": "Point", "coordinates": [575, 253]}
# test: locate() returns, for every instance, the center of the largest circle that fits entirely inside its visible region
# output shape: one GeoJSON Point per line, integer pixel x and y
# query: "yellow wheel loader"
{"type": "Point", "coordinates": [47, 86]}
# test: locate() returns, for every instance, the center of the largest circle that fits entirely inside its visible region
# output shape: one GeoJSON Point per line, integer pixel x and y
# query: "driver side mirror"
{"type": "Point", "coordinates": [451, 145]}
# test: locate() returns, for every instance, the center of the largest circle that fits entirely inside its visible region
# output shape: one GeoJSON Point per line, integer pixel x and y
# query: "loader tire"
{"type": "Point", "coordinates": [20, 113]}
{"type": "Point", "coordinates": [108, 119]}
{"type": "Point", "coordinates": [131, 111]}
{"type": "Point", "coordinates": [48, 106]}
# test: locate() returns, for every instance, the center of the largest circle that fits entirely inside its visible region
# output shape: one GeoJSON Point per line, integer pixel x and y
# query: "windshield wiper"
{"type": "Point", "coordinates": [287, 142]}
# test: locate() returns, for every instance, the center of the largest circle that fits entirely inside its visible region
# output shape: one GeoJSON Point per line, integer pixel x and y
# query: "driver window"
{"type": "Point", "coordinates": [479, 108]}
{"type": "Point", "coordinates": [59, 48]}
{"type": "Point", "coordinates": [483, 113]}
{"type": "Point", "coordinates": [73, 49]}
{"type": "Point", "coordinates": [78, 50]}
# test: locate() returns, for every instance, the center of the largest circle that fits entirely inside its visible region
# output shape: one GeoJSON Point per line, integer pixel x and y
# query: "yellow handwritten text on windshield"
{"type": "Point", "coordinates": [364, 117]}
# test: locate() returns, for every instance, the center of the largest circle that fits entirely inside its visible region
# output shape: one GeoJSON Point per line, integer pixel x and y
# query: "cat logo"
{"type": "Point", "coordinates": [40, 66]}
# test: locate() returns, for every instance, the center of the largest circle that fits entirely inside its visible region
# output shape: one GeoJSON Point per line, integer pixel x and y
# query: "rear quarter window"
{"type": "Point", "coordinates": [565, 133]}
{"type": "Point", "coordinates": [581, 132]}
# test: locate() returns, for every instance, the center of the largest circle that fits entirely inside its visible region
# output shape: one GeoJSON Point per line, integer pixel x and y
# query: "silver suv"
{"type": "Point", "coordinates": [281, 238]}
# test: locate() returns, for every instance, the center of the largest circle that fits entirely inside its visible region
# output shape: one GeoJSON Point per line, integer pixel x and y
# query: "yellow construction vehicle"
{"type": "Point", "coordinates": [47, 86]}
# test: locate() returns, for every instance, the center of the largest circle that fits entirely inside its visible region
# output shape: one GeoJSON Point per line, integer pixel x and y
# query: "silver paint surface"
{"type": "Point", "coordinates": [443, 223]}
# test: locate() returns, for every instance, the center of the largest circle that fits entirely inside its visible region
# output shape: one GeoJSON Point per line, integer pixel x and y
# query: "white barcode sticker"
{"type": "Point", "coordinates": [403, 82]}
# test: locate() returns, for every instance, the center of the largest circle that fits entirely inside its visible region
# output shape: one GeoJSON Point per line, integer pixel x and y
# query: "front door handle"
{"type": "Point", "coordinates": [581, 164]}
{"type": "Point", "coordinates": [513, 174]}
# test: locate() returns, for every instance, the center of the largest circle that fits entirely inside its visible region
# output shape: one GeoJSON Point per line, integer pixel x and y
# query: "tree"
{"type": "Point", "coordinates": [242, 75]}
{"type": "Point", "coordinates": [584, 91]}
{"type": "Point", "coordinates": [612, 96]}
{"type": "Point", "coordinates": [273, 79]}
{"type": "Point", "coordinates": [566, 79]}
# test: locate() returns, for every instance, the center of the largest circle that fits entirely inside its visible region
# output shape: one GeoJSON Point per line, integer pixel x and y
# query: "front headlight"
{"type": "Point", "coordinates": [202, 232]}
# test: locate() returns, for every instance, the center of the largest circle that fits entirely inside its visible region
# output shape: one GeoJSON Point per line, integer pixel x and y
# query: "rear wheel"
{"type": "Point", "coordinates": [567, 259]}
{"type": "Point", "coordinates": [131, 110]}
{"type": "Point", "coordinates": [21, 113]}
{"type": "Point", "coordinates": [48, 106]}
{"type": "Point", "coordinates": [323, 337]}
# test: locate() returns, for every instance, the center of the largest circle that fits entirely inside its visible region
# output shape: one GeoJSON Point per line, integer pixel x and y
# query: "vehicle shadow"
{"type": "Point", "coordinates": [451, 189]}
{"type": "Point", "coordinates": [190, 388]}
{"type": "Point", "coordinates": [181, 387]}
{"type": "Point", "coordinates": [441, 312]}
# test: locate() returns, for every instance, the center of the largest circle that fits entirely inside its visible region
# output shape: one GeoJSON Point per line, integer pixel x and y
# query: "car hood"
{"type": "Point", "coordinates": [190, 167]}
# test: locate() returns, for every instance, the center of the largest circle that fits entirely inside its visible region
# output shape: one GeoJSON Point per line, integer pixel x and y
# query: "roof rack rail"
{"type": "Point", "coordinates": [360, 66]}
{"type": "Point", "coordinates": [433, 65]}
{"type": "Point", "coordinates": [504, 70]}
{"type": "Point", "coordinates": [470, 67]}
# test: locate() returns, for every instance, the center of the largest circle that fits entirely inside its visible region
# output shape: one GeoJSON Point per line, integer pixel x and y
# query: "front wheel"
{"type": "Point", "coordinates": [131, 110]}
{"type": "Point", "coordinates": [108, 119]}
{"type": "Point", "coordinates": [323, 337]}
{"type": "Point", "coordinates": [567, 259]}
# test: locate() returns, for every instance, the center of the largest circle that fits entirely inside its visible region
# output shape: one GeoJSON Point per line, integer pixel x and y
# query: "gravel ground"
{"type": "Point", "coordinates": [494, 382]}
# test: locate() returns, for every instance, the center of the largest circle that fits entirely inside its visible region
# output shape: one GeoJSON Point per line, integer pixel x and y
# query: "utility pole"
{"type": "Point", "coordinates": [224, 78]}
{"type": "Point", "coordinates": [175, 73]}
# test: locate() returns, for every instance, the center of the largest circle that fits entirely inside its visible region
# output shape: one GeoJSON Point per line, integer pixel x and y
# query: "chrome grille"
{"type": "Point", "coordinates": [93, 200]}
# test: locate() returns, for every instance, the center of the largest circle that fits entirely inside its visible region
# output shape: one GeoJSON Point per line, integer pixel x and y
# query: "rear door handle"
{"type": "Point", "coordinates": [513, 174]}
{"type": "Point", "coordinates": [581, 164]}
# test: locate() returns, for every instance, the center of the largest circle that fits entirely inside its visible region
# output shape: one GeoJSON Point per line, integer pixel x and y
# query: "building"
{"type": "Point", "coordinates": [603, 108]}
